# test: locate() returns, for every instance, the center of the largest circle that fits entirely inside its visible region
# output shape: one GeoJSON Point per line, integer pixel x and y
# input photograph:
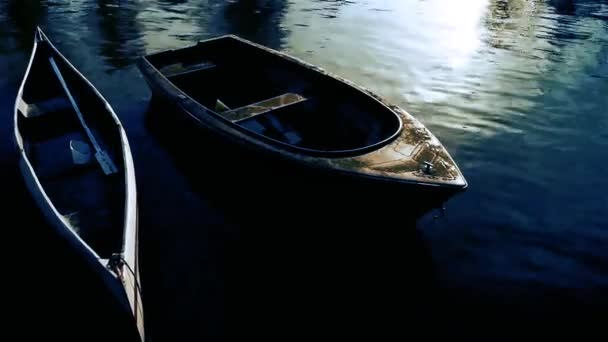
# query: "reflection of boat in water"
{"type": "Point", "coordinates": [76, 162]}
{"type": "Point", "coordinates": [300, 118]}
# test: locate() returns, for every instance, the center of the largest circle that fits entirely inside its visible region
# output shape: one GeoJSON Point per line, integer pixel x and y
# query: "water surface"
{"type": "Point", "coordinates": [516, 90]}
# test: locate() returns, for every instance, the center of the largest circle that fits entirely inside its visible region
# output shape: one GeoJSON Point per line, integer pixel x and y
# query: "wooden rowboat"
{"type": "Point", "coordinates": [284, 110]}
{"type": "Point", "coordinates": [76, 162]}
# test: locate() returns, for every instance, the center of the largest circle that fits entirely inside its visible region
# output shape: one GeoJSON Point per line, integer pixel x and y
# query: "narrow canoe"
{"type": "Point", "coordinates": [76, 163]}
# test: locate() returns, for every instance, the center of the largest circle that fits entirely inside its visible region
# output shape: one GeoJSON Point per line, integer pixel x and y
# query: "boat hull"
{"type": "Point", "coordinates": [406, 162]}
{"type": "Point", "coordinates": [95, 270]}
{"type": "Point", "coordinates": [286, 187]}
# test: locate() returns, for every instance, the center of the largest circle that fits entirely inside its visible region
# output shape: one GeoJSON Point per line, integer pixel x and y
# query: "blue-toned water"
{"type": "Point", "coordinates": [516, 90]}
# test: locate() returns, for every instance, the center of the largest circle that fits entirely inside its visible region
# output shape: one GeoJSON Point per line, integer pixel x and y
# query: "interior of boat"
{"type": "Point", "coordinates": [79, 163]}
{"type": "Point", "coordinates": [277, 98]}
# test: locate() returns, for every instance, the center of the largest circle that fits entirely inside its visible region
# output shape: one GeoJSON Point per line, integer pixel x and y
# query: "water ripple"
{"type": "Point", "coordinates": [515, 89]}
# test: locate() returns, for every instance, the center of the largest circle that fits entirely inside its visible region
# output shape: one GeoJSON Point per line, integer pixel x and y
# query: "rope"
{"type": "Point", "coordinates": [114, 263]}
{"type": "Point", "coordinates": [117, 260]}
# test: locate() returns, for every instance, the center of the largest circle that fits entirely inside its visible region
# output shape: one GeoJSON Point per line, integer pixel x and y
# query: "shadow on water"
{"type": "Point", "coordinates": [23, 17]}
{"type": "Point", "coordinates": [121, 37]}
{"type": "Point", "coordinates": [566, 7]}
{"type": "Point", "coordinates": [257, 20]}
{"type": "Point", "coordinates": [290, 270]}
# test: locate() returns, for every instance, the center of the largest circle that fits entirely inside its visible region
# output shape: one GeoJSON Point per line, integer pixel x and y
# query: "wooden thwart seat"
{"type": "Point", "coordinates": [30, 110]}
{"type": "Point", "coordinates": [242, 113]}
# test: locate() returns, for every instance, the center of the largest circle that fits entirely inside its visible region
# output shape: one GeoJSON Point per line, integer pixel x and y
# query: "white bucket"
{"type": "Point", "coordinates": [81, 152]}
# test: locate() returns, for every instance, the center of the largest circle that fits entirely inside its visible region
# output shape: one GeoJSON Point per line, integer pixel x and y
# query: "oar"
{"type": "Point", "coordinates": [102, 156]}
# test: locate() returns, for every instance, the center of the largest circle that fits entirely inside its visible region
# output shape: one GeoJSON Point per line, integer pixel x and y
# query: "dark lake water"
{"type": "Point", "coordinates": [516, 90]}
